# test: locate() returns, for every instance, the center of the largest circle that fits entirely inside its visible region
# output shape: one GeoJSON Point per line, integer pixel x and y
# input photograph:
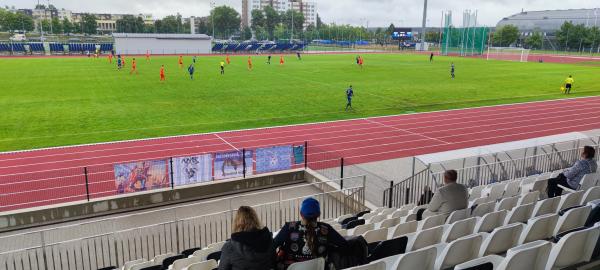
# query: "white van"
{"type": "Point", "coordinates": [18, 37]}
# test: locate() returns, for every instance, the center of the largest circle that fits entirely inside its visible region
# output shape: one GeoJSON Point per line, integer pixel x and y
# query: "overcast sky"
{"type": "Point", "coordinates": [356, 12]}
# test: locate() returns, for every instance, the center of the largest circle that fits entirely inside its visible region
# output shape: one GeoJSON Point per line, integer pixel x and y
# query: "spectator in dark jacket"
{"type": "Point", "coordinates": [251, 245]}
{"type": "Point", "coordinates": [306, 239]}
{"type": "Point", "coordinates": [571, 177]}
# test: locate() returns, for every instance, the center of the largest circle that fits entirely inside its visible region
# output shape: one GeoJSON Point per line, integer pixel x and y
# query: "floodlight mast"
{"type": "Point", "coordinates": [424, 25]}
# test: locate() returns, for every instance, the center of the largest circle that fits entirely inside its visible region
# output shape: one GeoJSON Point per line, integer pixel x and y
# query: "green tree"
{"type": "Point", "coordinates": [570, 36]}
{"type": "Point", "coordinates": [247, 33]}
{"type": "Point", "coordinates": [506, 35]}
{"type": "Point", "coordinates": [535, 41]}
{"type": "Point", "coordinates": [202, 27]}
{"type": "Point", "coordinates": [593, 37]}
{"type": "Point", "coordinates": [390, 30]}
{"type": "Point", "coordinates": [57, 26]}
{"type": "Point", "coordinates": [257, 19]}
{"type": "Point", "coordinates": [88, 24]}
{"type": "Point", "coordinates": [67, 26]}
{"type": "Point", "coordinates": [167, 25]}
{"type": "Point", "coordinates": [46, 26]}
{"type": "Point", "coordinates": [271, 20]}
{"type": "Point", "coordinates": [293, 20]}
{"type": "Point", "coordinates": [319, 22]}
{"type": "Point", "coordinates": [226, 19]}
{"type": "Point", "coordinates": [128, 24]}
{"type": "Point", "coordinates": [23, 22]}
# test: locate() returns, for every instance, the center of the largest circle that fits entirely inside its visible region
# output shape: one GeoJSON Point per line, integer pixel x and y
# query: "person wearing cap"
{"type": "Point", "coordinates": [306, 239]}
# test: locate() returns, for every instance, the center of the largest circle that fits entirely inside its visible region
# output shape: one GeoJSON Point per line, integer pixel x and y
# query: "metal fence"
{"type": "Point", "coordinates": [419, 188]}
{"type": "Point", "coordinates": [45, 250]}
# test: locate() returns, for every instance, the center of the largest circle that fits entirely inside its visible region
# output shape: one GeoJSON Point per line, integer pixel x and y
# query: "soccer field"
{"type": "Point", "coordinates": [64, 101]}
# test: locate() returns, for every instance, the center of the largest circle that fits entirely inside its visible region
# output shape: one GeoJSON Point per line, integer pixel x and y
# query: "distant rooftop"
{"type": "Point", "coordinates": [551, 20]}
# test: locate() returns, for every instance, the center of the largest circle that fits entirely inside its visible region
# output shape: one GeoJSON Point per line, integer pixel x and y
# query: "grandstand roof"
{"type": "Point", "coordinates": [162, 36]}
{"type": "Point", "coordinates": [551, 20]}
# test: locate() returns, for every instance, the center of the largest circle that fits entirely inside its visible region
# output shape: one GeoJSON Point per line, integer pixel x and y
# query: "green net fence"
{"type": "Point", "coordinates": [464, 41]}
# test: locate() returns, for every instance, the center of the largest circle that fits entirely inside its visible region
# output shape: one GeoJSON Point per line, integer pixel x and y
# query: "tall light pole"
{"type": "Point", "coordinates": [424, 28]}
{"type": "Point", "coordinates": [212, 18]}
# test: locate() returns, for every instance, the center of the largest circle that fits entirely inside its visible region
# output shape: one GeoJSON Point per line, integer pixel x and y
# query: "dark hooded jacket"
{"type": "Point", "coordinates": [248, 251]}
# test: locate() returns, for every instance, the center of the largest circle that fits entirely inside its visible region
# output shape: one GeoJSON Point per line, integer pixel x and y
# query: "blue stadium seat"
{"type": "Point", "coordinates": [4, 47]}
{"type": "Point", "coordinates": [231, 47]}
{"type": "Point", "coordinates": [217, 47]}
{"type": "Point", "coordinates": [18, 47]}
{"type": "Point", "coordinates": [36, 47]}
{"type": "Point", "coordinates": [57, 47]}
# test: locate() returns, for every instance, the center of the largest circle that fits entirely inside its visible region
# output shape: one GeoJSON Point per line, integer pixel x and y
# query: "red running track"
{"type": "Point", "coordinates": [56, 175]}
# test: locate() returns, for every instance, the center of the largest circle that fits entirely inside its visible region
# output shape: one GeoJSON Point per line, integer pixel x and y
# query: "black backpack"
{"type": "Point", "coordinates": [354, 254]}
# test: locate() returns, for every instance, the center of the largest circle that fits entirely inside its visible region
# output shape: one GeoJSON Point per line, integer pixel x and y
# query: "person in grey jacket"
{"type": "Point", "coordinates": [452, 196]}
{"type": "Point", "coordinates": [250, 247]}
{"type": "Point", "coordinates": [571, 177]}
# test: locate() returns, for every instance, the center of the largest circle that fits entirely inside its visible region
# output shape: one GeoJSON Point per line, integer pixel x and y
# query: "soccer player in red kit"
{"type": "Point", "coordinates": [162, 73]}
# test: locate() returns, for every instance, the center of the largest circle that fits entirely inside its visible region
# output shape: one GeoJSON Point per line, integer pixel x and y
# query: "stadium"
{"type": "Point", "coordinates": [263, 135]}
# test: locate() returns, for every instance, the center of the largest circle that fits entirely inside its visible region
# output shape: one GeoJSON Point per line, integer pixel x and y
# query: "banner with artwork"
{"type": "Point", "coordinates": [299, 154]}
{"type": "Point", "coordinates": [271, 159]}
{"type": "Point", "coordinates": [141, 176]}
{"type": "Point", "coordinates": [230, 164]}
{"type": "Point", "coordinates": [192, 170]}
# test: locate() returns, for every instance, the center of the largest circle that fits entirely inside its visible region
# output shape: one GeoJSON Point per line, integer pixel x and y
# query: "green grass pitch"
{"type": "Point", "coordinates": [64, 101]}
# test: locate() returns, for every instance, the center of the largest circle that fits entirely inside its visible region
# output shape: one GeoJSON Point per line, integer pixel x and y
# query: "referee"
{"type": "Point", "coordinates": [569, 84]}
{"type": "Point", "coordinates": [349, 95]}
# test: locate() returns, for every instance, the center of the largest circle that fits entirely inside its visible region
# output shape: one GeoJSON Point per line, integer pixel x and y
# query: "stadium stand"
{"type": "Point", "coordinates": [57, 48]}
{"type": "Point", "coordinates": [474, 242]}
{"type": "Point", "coordinates": [256, 47]}
{"type": "Point", "coordinates": [36, 47]}
{"type": "Point", "coordinates": [106, 47]}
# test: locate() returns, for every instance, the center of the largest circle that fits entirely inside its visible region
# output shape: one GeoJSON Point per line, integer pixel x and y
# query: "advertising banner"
{"type": "Point", "coordinates": [273, 159]}
{"type": "Point", "coordinates": [141, 176]}
{"type": "Point", "coordinates": [230, 164]}
{"type": "Point", "coordinates": [192, 170]}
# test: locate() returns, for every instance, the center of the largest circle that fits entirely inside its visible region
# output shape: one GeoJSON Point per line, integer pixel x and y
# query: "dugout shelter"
{"type": "Point", "coordinates": [126, 43]}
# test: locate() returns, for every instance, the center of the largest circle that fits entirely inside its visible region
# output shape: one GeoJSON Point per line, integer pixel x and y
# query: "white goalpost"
{"type": "Point", "coordinates": [508, 54]}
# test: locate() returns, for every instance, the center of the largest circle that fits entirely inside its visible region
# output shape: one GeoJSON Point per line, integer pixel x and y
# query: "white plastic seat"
{"type": "Point", "coordinates": [205, 265]}
{"type": "Point", "coordinates": [539, 228]}
{"type": "Point", "coordinates": [458, 251]}
{"type": "Point", "coordinates": [490, 221]}
{"type": "Point", "coordinates": [316, 264]}
{"type": "Point", "coordinates": [424, 238]}
{"type": "Point", "coordinates": [368, 216]}
{"type": "Point", "coordinates": [203, 253]}
{"type": "Point", "coordinates": [570, 200]}
{"type": "Point", "coordinates": [591, 194]}
{"type": "Point", "coordinates": [158, 259]}
{"type": "Point", "coordinates": [544, 207]}
{"type": "Point", "coordinates": [531, 256]}
{"type": "Point", "coordinates": [512, 189]}
{"type": "Point", "coordinates": [482, 209]}
{"type": "Point", "coordinates": [142, 265]}
{"type": "Point", "coordinates": [216, 246]}
{"type": "Point", "coordinates": [501, 239]}
{"type": "Point", "coordinates": [183, 263]}
{"type": "Point", "coordinates": [475, 192]}
{"type": "Point", "coordinates": [588, 181]}
{"type": "Point", "coordinates": [361, 229]}
{"type": "Point", "coordinates": [371, 266]}
{"type": "Point", "coordinates": [519, 214]}
{"type": "Point", "coordinates": [407, 207]}
{"type": "Point", "coordinates": [575, 247]}
{"type": "Point", "coordinates": [530, 197]}
{"type": "Point", "coordinates": [408, 218]}
{"type": "Point", "coordinates": [388, 223]}
{"type": "Point", "coordinates": [129, 264]}
{"type": "Point", "coordinates": [398, 214]}
{"type": "Point", "coordinates": [496, 191]}
{"type": "Point", "coordinates": [387, 211]}
{"type": "Point", "coordinates": [432, 221]}
{"type": "Point", "coordinates": [458, 215]}
{"type": "Point", "coordinates": [572, 219]}
{"type": "Point", "coordinates": [423, 259]}
{"type": "Point", "coordinates": [479, 201]}
{"type": "Point", "coordinates": [373, 236]}
{"type": "Point", "coordinates": [377, 219]}
{"type": "Point", "coordinates": [458, 229]}
{"type": "Point", "coordinates": [402, 229]}
{"type": "Point", "coordinates": [507, 204]}
{"type": "Point", "coordinates": [540, 185]}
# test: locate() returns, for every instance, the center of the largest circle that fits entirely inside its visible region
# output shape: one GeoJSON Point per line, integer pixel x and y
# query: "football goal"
{"type": "Point", "coordinates": [508, 54]}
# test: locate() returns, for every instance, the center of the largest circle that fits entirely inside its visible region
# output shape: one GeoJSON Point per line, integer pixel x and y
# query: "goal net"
{"type": "Point", "coordinates": [508, 54]}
